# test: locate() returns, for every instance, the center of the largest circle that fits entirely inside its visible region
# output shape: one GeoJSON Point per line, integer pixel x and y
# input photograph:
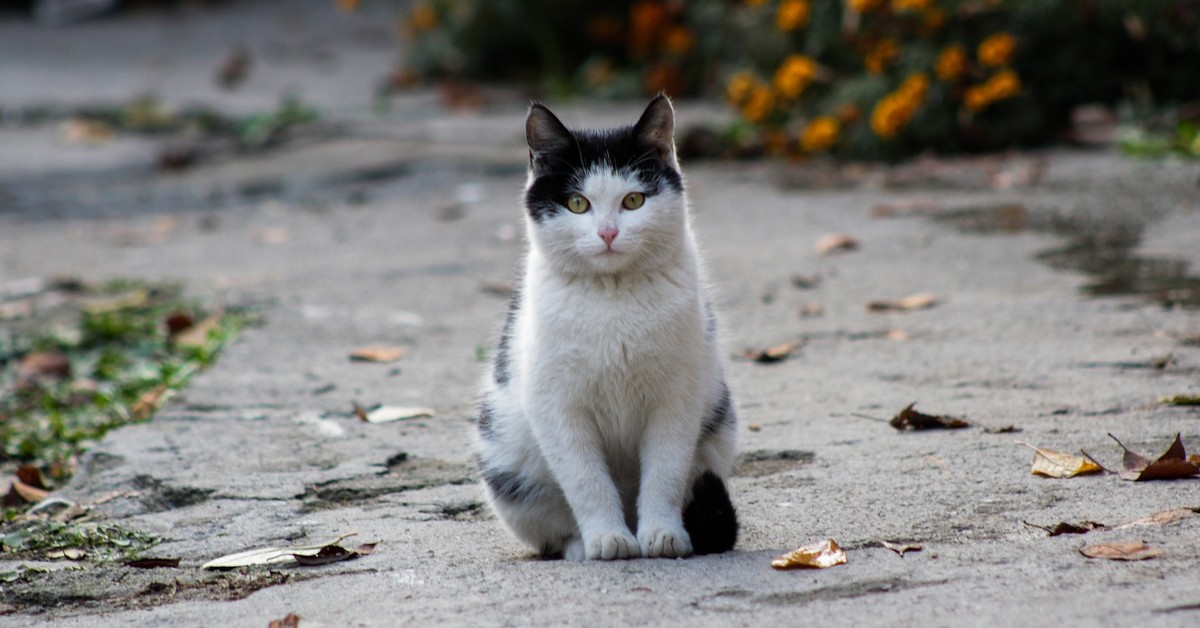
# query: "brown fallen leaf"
{"type": "Point", "coordinates": [776, 353]}
{"type": "Point", "coordinates": [1131, 550]}
{"type": "Point", "coordinates": [811, 309]}
{"type": "Point", "coordinates": [149, 402]}
{"type": "Point", "coordinates": [909, 419]}
{"type": "Point", "coordinates": [153, 563]}
{"type": "Point", "coordinates": [754, 427]}
{"type": "Point", "coordinates": [1003, 429]}
{"type": "Point", "coordinates": [29, 494]}
{"type": "Point", "coordinates": [834, 242]}
{"type": "Point", "coordinates": [83, 131]}
{"type": "Point", "coordinates": [387, 414]}
{"type": "Point", "coordinates": [1063, 527]}
{"type": "Point", "coordinates": [234, 68]}
{"type": "Point", "coordinates": [901, 548]}
{"type": "Point", "coordinates": [1161, 518]}
{"type": "Point", "coordinates": [919, 301]}
{"type": "Point", "coordinates": [333, 554]}
{"type": "Point", "coordinates": [32, 476]}
{"type": "Point", "coordinates": [377, 354]}
{"type": "Point", "coordinates": [1056, 464]}
{"type": "Point", "coordinates": [196, 336]}
{"type": "Point", "coordinates": [1181, 400]}
{"type": "Point", "coordinates": [178, 321]}
{"type": "Point", "coordinates": [818, 555]}
{"type": "Point", "coordinates": [41, 367]}
{"type": "Point", "coordinates": [1173, 464]}
{"type": "Point", "coordinates": [291, 620]}
{"type": "Point", "coordinates": [806, 282]}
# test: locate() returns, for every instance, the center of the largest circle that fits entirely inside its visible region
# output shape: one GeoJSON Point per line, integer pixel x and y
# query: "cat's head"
{"type": "Point", "coordinates": [604, 202]}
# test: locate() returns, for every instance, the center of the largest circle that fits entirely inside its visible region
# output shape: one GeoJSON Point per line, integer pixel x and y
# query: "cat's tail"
{"type": "Point", "coordinates": [710, 518]}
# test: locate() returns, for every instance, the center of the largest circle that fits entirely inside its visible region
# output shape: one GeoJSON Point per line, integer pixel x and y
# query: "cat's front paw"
{"type": "Point", "coordinates": [612, 546]}
{"type": "Point", "coordinates": [664, 542]}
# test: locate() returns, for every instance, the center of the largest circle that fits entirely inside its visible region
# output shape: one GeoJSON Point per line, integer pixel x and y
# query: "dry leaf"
{"type": "Point", "coordinates": [900, 548]}
{"type": "Point", "coordinates": [811, 309]}
{"type": "Point", "coordinates": [1172, 465]}
{"type": "Point", "coordinates": [1083, 527]}
{"type": "Point", "coordinates": [176, 322]}
{"type": "Point", "coordinates": [387, 414]}
{"type": "Point", "coordinates": [806, 282]}
{"type": "Point", "coordinates": [814, 556]}
{"type": "Point", "coordinates": [898, 335]}
{"type": "Point", "coordinates": [1004, 429]}
{"type": "Point", "coordinates": [1161, 518]}
{"type": "Point", "coordinates": [30, 494]}
{"type": "Point", "coordinates": [66, 553]}
{"type": "Point", "coordinates": [377, 354]}
{"type": "Point", "coordinates": [153, 563]}
{"type": "Point", "coordinates": [32, 476]}
{"type": "Point", "coordinates": [909, 419]}
{"type": "Point", "coordinates": [81, 131]}
{"type": "Point", "coordinates": [291, 620]}
{"type": "Point", "coordinates": [116, 303]}
{"type": "Point", "coordinates": [149, 402]}
{"type": "Point", "coordinates": [42, 367]}
{"type": "Point", "coordinates": [836, 242]}
{"type": "Point", "coordinates": [919, 301]}
{"type": "Point", "coordinates": [770, 355]}
{"type": "Point", "coordinates": [754, 427]}
{"type": "Point", "coordinates": [1181, 400]}
{"type": "Point", "coordinates": [196, 336]}
{"type": "Point", "coordinates": [1056, 464]}
{"type": "Point", "coordinates": [1133, 550]}
{"type": "Point", "coordinates": [269, 555]}
{"type": "Point", "coordinates": [498, 288]}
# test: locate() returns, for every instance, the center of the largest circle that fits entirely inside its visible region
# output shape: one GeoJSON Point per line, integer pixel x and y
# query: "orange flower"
{"type": "Point", "coordinates": [794, 75]}
{"type": "Point", "coordinates": [820, 134]}
{"type": "Point", "coordinates": [663, 78]}
{"type": "Point", "coordinates": [1004, 84]}
{"type": "Point", "coordinates": [862, 6]}
{"type": "Point", "coordinates": [792, 14]}
{"type": "Point", "coordinates": [679, 40]}
{"type": "Point", "coordinates": [737, 91]}
{"type": "Point", "coordinates": [759, 104]}
{"type": "Point", "coordinates": [646, 20]}
{"type": "Point", "coordinates": [895, 110]}
{"type": "Point", "coordinates": [878, 58]}
{"type": "Point", "coordinates": [976, 98]}
{"type": "Point", "coordinates": [910, 5]}
{"type": "Point", "coordinates": [423, 18]}
{"type": "Point", "coordinates": [997, 50]}
{"type": "Point", "coordinates": [951, 63]}
{"type": "Point", "coordinates": [347, 5]}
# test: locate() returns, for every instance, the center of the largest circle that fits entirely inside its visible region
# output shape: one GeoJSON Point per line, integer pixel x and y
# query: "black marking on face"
{"type": "Point", "coordinates": [560, 171]}
{"type": "Point", "coordinates": [721, 416]}
{"type": "Point", "coordinates": [501, 365]}
{"type": "Point", "coordinates": [710, 518]}
{"type": "Point", "coordinates": [487, 415]}
{"type": "Point", "coordinates": [510, 487]}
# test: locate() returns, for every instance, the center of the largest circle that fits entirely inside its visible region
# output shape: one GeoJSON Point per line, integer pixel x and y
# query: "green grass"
{"type": "Point", "coordinates": [98, 542]}
{"type": "Point", "coordinates": [123, 365]}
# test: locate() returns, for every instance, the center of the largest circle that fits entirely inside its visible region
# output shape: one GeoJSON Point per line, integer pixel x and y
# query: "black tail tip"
{"type": "Point", "coordinates": [709, 517]}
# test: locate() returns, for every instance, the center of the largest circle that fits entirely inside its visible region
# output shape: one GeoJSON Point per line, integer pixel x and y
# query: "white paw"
{"type": "Point", "coordinates": [612, 546]}
{"type": "Point", "coordinates": [664, 542]}
{"type": "Point", "coordinates": [574, 550]}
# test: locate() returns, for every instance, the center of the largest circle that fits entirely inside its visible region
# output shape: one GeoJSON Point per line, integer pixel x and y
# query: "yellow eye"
{"type": "Point", "coordinates": [577, 203]}
{"type": "Point", "coordinates": [633, 200]}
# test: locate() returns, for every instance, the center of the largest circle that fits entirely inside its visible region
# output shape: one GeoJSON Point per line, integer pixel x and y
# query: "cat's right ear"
{"type": "Point", "coordinates": [544, 133]}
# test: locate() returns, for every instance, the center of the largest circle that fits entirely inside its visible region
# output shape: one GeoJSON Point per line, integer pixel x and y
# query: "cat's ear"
{"type": "Point", "coordinates": [544, 133]}
{"type": "Point", "coordinates": [656, 129]}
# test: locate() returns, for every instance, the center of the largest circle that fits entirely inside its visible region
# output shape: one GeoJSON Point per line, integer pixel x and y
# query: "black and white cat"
{"type": "Point", "coordinates": [606, 409]}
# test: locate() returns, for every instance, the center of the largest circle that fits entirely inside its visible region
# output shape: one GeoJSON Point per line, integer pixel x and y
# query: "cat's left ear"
{"type": "Point", "coordinates": [656, 129]}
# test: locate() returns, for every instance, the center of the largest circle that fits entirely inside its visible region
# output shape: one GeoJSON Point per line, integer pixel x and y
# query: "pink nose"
{"type": "Point", "coordinates": [608, 234]}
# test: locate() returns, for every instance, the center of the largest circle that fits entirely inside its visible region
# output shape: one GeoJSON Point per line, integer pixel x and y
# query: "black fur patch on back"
{"type": "Point", "coordinates": [512, 487]}
{"type": "Point", "coordinates": [501, 364]}
{"type": "Point", "coordinates": [487, 415]}
{"type": "Point", "coordinates": [710, 518]}
{"type": "Point", "coordinates": [558, 174]}
{"type": "Point", "coordinates": [721, 416]}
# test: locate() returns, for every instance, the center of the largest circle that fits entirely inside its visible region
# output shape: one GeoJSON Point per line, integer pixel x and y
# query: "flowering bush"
{"type": "Point", "coordinates": [853, 78]}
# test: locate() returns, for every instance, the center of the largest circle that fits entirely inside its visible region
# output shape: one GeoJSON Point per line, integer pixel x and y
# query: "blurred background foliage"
{"type": "Point", "coordinates": [875, 79]}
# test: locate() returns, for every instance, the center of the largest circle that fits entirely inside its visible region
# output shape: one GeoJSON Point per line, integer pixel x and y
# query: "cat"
{"type": "Point", "coordinates": [605, 413]}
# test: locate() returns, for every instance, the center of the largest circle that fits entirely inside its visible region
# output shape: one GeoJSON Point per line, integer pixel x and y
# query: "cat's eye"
{"type": "Point", "coordinates": [633, 200]}
{"type": "Point", "coordinates": [577, 203]}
